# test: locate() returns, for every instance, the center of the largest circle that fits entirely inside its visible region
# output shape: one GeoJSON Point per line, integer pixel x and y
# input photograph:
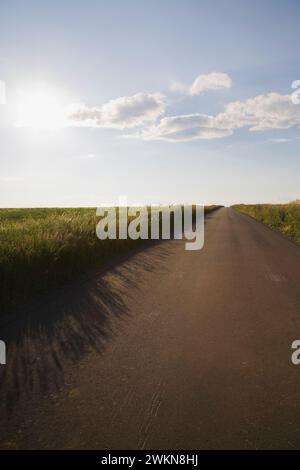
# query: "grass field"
{"type": "Point", "coordinates": [41, 248]}
{"type": "Point", "coordinates": [282, 217]}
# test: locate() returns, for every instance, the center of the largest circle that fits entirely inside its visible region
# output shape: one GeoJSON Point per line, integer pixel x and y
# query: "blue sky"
{"type": "Point", "coordinates": [136, 121]}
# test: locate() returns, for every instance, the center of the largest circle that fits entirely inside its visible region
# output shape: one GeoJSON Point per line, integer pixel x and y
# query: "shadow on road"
{"type": "Point", "coordinates": [43, 340]}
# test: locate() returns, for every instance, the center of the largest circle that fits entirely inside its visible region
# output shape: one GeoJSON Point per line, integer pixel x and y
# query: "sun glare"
{"type": "Point", "coordinates": [39, 108]}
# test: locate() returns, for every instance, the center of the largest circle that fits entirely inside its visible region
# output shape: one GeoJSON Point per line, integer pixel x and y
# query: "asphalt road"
{"type": "Point", "coordinates": [171, 349]}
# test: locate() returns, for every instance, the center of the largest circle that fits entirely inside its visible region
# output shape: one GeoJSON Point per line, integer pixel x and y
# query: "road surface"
{"type": "Point", "coordinates": [171, 349]}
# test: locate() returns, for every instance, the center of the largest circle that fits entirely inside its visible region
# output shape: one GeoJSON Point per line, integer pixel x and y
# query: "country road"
{"type": "Point", "coordinates": [171, 349]}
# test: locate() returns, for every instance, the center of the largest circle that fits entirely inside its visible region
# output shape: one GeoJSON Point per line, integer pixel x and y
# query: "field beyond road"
{"type": "Point", "coordinates": [170, 349]}
{"type": "Point", "coordinates": [282, 217]}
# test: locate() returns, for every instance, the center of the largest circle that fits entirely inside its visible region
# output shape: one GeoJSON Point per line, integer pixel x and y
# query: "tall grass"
{"type": "Point", "coordinates": [40, 248]}
{"type": "Point", "coordinates": [43, 247]}
{"type": "Point", "coordinates": [282, 217]}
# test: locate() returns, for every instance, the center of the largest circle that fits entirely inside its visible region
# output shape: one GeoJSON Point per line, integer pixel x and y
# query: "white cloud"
{"type": "Point", "coordinates": [122, 113]}
{"type": "Point", "coordinates": [144, 111]}
{"type": "Point", "coordinates": [210, 81]}
{"type": "Point", "coordinates": [271, 111]}
{"type": "Point", "coordinates": [263, 112]}
{"type": "Point", "coordinates": [185, 127]}
{"type": "Point", "coordinates": [204, 82]}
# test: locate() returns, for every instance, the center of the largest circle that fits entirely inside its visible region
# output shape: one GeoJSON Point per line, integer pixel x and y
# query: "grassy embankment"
{"type": "Point", "coordinates": [42, 248]}
{"type": "Point", "coordinates": [282, 217]}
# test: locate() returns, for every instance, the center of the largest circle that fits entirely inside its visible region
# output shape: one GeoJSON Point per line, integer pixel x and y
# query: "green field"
{"type": "Point", "coordinates": [41, 248]}
{"type": "Point", "coordinates": [282, 217]}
